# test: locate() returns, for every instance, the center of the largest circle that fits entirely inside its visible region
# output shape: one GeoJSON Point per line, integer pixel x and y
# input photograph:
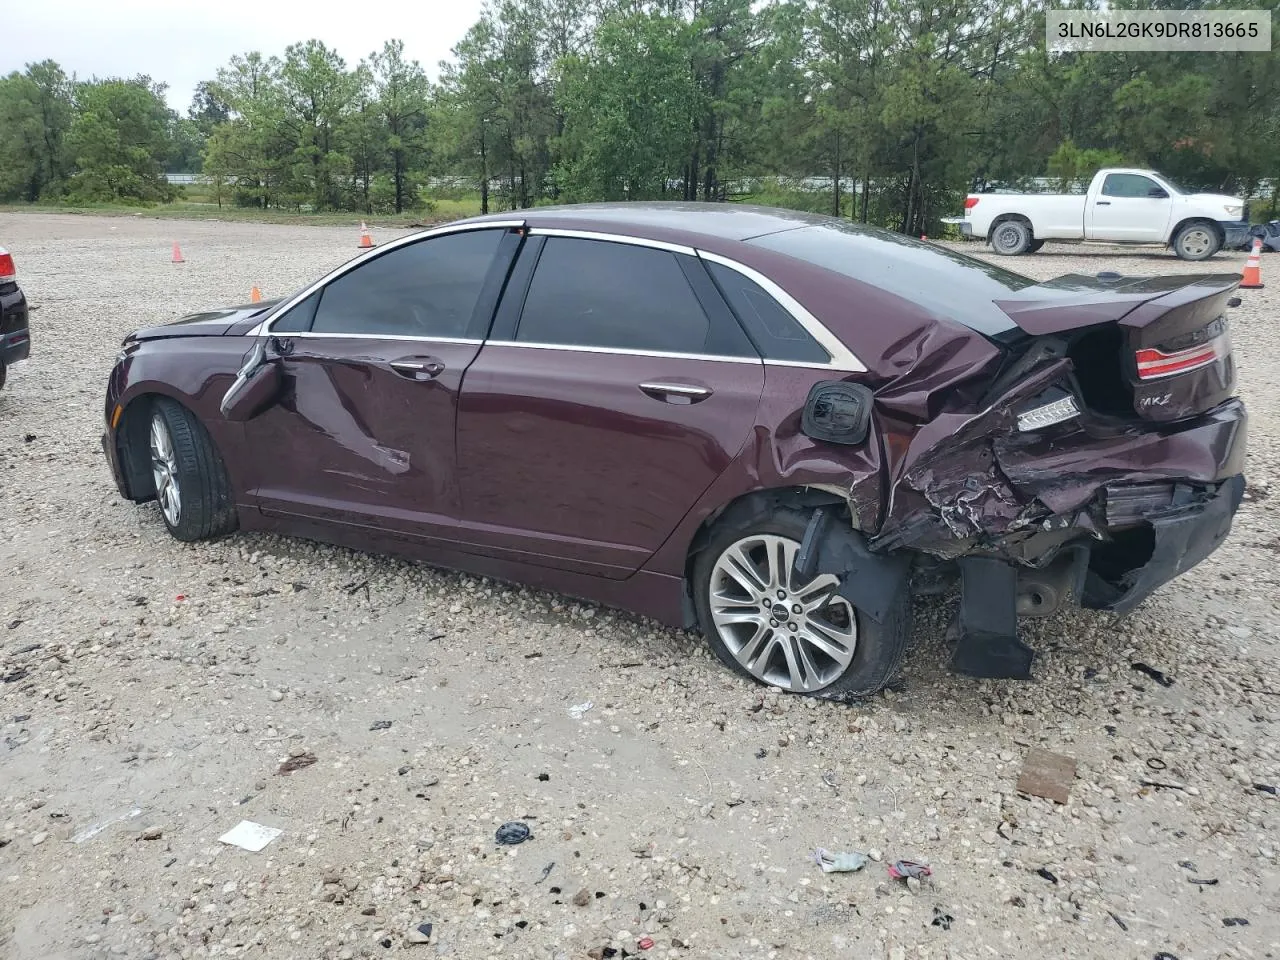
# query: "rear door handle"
{"type": "Point", "coordinates": [418, 368]}
{"type": "Point", "coordinates": [1104, 203]}
{"type": "Point", "coordinates": [676, 392]}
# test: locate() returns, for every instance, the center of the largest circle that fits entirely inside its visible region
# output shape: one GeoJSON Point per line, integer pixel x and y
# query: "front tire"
{"type": "Point", "coordinates": [1010, 238]}
{"type": "Point", "coordinates": [190, 478]}
{"type": "Point", "coordinates": [1197, 240]}
{"type": "Point", "coordinates": [763, 622]}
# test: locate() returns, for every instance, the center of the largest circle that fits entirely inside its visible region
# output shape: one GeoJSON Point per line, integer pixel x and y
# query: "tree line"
{"type": "Point", "coordinates": [885, 111]}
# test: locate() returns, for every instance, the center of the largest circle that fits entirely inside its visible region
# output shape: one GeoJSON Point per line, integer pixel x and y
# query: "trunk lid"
{"type": "Point", "coordinates": [1157, 347]}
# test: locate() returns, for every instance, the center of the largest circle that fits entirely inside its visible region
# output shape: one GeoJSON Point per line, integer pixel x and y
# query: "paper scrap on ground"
{"type": "Point", "coordinates": [1046, 774]}
{"type": "Point", "coordinates": [839, 862]}
{"type": "Point", "coordinates": [250, 836]}
{"type": "Point", "coordinates": [578, 709]}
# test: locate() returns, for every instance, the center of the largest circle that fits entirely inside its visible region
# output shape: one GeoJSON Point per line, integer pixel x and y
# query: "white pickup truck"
{"type": "Point", "coordinates": [1121, 206]}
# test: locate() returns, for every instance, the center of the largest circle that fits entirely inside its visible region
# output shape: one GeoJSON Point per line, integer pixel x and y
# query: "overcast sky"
{"type": "Point", "coordinates": [181, 43]}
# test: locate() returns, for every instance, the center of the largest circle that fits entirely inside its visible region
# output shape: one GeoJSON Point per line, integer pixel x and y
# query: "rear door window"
{"type": "Point", "coordinates": [426, 289]}
{"type": "Point", "coordinates": [777, 334]}
{"type": "Point", "coordinates": [595, 293]}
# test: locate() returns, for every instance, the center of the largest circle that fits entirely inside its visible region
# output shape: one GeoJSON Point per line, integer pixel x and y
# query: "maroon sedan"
{"type": "Point", "coordinates": [770, 425]}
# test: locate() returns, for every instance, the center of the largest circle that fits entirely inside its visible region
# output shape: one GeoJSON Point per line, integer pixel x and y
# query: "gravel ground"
{"type": "Point", "coordinates": [141, 674]}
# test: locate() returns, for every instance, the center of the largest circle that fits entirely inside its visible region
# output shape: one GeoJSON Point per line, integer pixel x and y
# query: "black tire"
{"type": "Point", "coordinates": [4, 374]}
{"type": "Point", "coordinates": [1197, 240]}
{"type": "Point", "coordinates": [1034, 246]}
{"type": "Point", "coordinates": [879, 648]}
{"type": "Point", "coordinates": [1011, 238]}
{"type": "Point", "coordinates": [207, 507]}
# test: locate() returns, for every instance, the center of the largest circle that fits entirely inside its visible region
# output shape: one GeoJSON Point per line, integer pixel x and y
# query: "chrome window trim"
{"type": "Point", "coordinates": [622, 351]}
{"type": "Point", "coordinates": [308, 335]}
{"type": "Point", "coordinates": [612, 238]}
{"type": "Point", "coordinates": [264, 327]}
{"type": "Point", "coordinates": [842, 358]}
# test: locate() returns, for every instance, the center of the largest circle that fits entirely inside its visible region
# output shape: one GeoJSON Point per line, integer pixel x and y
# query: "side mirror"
{"type": "Point", "coordinates": [256, 387]}
{"type": "Point", "coordinates": [837, 412]}
{"type": "Point", "coordinates": [1158, 193]}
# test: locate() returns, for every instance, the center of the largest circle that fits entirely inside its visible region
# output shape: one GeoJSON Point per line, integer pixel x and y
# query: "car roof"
{"type": "Point", "coordinates": [698, 223]}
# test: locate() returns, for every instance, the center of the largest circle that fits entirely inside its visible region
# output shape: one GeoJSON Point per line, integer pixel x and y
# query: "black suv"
{"type": "Point", "coordinates": [15, 337]}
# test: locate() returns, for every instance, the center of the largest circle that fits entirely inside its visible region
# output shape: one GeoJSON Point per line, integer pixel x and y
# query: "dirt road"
{"type": "Point", "coordinates": [150, 691]}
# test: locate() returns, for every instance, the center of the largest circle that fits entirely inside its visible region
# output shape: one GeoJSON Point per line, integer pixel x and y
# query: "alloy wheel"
{"type": "Point", "coordinates": [164, 470]}
{"type": "Point", "coordinates": [790, 632]}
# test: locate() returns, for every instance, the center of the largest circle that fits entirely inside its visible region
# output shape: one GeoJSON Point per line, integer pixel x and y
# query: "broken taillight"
{"type": "Point", "coordinates": [7, 270]}
{"type": "Point", "coordinates": [970, 202]}
{"type": "Point", "coordinates": [1154, 363]}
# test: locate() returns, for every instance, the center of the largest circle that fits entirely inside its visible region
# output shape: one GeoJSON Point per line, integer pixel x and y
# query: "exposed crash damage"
{"type": "Point", "coordinates": [1061, 479]}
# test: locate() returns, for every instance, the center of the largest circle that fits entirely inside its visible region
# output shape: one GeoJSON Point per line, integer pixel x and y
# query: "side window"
{"type": "Point", "coordinates": [593, 293]}
{"type": "Point", "coordinates": [777, 334]}
{"type": "Point", "coordinates": [1127, 185]}
{"type": "Point", "coordinates": [425, 289]}
{"type": "Point", "coordinates": [298, 318]}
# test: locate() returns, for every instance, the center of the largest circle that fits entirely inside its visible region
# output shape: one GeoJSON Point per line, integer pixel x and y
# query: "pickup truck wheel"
{"type": "Point", "coordinates": [1010, 238]}
{"type": "Point", "coordinates": [1197, 241]}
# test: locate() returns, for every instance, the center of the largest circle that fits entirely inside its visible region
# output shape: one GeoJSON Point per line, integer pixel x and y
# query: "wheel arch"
{"type": "Point", "coordinates": [1005, 218]}
{"type": "Point", "coordinates": [130, 436]}
{"type": "Point", "coordinates": [1188, 221]}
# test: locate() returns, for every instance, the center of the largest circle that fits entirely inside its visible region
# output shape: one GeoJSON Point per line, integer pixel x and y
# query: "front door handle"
{"type": "Point", "coordinates": [1104, 203]}
{"type": "Point", "coordinates": [676, 392]}
{"type": "Point", "coordinates": [418, 368]}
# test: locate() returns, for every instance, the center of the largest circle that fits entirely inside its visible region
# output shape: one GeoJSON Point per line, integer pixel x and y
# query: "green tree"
{"type": "Point", "coordinates": [120, 141]}
{"type": "Point", "coordinates": [35, 116]}
{"type": "Point", "coordinates": [403, 102]}
{"type": "Point", "coordinates": [319, 94]}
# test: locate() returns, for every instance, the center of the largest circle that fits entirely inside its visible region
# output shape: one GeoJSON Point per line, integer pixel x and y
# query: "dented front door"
{"type": "Point", "coordinates": [363, 433]}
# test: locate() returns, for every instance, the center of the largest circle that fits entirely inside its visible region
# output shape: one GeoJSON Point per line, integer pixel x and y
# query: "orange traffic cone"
{"type": "Point", "coordinates": [1252, 279]}
{"type": "Point", "coordinates": [177, 253]}
{"type": "Point", "coordinates": [365, 239]}
{"type": "Point", "coordinates": [255, 295]}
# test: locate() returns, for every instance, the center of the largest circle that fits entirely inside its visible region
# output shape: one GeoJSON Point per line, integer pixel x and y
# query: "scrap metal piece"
{"type": "Point", "coordinates": [987, 622]}
{"type": "Point", "coordinates": [872, 582]}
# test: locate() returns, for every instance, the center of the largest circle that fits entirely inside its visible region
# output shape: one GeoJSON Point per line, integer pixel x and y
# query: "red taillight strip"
{"type": "Point", "coordinates": [7, 269]}
{"type": "Point", "coordinates": [970, 202]}
{"type": "Point", "coordinates": [1153, 364]}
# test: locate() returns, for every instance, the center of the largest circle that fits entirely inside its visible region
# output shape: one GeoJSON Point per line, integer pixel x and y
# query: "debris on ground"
{"type": "Point", "coordinates": [250, 836]}
{"type": "Point", "coordinates": [1156, 675]}
{"type": "Point", "coordinates": [380, 725]}
{"type": "Point", "coordinates": [1119, 923]}
{"type": "Point", "coordinates": [942, 919]}
{"type": "Point", "coordinates": [582, 897]}
{"type": "Point", "coordinates": [578, 709]}
{"type": "Point", "coordinates": [1211, 882]}
{"type": "Point", "coordinates": [90, 832]}
{"type": "Point", "coordinates": [645, 943]}
{"type": "Point", "coordinates": [839, 862]}
{"type": "Point", "coordinates": [151, 833]}
{"type": "Point", "coordinates": [1046, 774]}
{"type": "Point", "coordinates": [294, 763]}
{"type": "Point", "coordinates": [512, 832]}
{"type": "Point", "coordinates": [1266, 788]}
{"type": "Point", "coordinates": [546, 871]}
{"type": "Point", "coordinates": [909, 869]}
{"type": "Point", "coordinates": [1047, 874]}
{"type": "Point", "coordinates": [1234, 922]}
{"type": "Point", "coordinates": [419, 934]}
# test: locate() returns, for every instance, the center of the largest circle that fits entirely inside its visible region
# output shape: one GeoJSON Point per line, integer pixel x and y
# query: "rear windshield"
{"type": "Point", "coordinates": [947, 283]}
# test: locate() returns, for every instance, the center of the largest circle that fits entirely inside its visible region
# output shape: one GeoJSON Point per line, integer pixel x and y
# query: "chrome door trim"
{"type": "Point", "coordinates": [613, 238]}
{"type": "Point", "coordinates": [264, 327]}
{"type": "Point", "coordinates": [842, 358]}
{"type": "Point", "coordinates": [622, 351]}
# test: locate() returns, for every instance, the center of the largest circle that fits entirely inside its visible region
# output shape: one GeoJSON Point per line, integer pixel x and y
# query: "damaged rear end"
{"type": "Point", "coordinates": [1104, 458]}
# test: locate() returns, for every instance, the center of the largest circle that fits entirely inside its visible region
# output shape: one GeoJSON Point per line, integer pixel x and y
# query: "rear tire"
{"type": "Point", "coordinates": [1198, 240]}
{"type": "Point", "coordinates": [739, 615]}
{"type": "Point", "coordinates": [1010, 238]}
{"type": "Point", "coordinates": [191, 480]}
{"type": "Point", "coordinates": [4, 374]}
